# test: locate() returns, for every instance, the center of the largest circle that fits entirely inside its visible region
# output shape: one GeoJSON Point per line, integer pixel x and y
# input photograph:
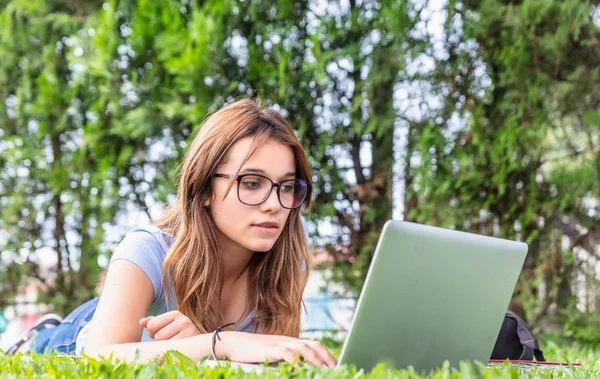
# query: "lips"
{"type": "Point", "coordinates": [268, 225]}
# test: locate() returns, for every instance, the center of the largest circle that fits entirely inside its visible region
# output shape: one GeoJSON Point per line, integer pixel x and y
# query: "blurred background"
{"type": "Point", "coordinates": [476, 115]}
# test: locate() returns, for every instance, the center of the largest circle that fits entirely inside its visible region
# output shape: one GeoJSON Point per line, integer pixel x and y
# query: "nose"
{"type": "Point", "coordinates": [272, 203]}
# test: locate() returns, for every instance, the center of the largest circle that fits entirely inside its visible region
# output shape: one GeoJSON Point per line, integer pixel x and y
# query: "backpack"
{"type": "Point", "coordinates": [515, 341]}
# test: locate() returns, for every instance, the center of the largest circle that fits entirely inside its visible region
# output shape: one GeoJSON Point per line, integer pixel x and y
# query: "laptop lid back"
{"type": "Point", "coordinates": [431, 295]}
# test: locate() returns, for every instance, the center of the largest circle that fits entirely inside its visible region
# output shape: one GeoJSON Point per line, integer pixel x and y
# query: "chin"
{"type": "Point", "coordinates": [261, 247]}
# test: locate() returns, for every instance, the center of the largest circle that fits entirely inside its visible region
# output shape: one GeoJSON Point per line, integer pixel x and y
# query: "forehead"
{"type": "Point", "coordinates": [273, 157]}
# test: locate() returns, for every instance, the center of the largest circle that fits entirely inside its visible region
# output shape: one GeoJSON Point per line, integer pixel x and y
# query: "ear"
{"type": "Point", "coordinates": [206, 202]}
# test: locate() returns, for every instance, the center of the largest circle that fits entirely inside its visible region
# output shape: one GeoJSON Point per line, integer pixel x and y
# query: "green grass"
{"type": "Point", "coordinates": [176, 365]}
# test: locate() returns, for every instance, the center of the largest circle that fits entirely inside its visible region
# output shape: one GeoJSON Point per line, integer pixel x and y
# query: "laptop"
{"type": "Point", "coordinates": [431, 295]}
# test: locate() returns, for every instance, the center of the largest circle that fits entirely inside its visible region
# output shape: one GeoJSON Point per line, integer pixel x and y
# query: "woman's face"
{"type": "Point", "coordinates": [245, 227]}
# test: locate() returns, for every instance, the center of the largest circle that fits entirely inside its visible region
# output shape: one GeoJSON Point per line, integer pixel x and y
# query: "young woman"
{"type": "Point", "coordinates": [223, 271]}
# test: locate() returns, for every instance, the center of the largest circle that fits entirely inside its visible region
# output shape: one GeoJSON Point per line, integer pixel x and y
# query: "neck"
{"type": "Point", "coordinates": [234, 258]}
{"type": "Point", "coordinates": [234, 265]}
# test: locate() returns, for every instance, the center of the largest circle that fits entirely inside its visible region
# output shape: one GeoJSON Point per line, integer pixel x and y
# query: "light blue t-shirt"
{"type": "Point", "coordinates": [147, 247]}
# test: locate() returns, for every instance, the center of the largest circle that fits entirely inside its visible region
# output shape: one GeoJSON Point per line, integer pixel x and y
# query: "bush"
{"type": "Point", "coordinates": [175, 365]}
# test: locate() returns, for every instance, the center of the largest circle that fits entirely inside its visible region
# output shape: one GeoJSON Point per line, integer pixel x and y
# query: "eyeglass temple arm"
{"type": "Point", "coordinates": [226, 176]}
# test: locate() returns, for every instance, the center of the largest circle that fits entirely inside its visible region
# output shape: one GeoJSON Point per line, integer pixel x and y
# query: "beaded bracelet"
{"type": "Point", "coordinates": [214, 338]}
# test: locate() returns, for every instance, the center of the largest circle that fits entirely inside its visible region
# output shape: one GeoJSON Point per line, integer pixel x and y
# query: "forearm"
{"type": "Point", "coordinates": [195, 348]}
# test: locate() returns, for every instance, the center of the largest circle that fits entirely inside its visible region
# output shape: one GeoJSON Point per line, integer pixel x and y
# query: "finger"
{"type": "Point", "coordinates": [179, 335]}
{"type": "Point", "coordinates": [325, 354]}
{"type": "Point", "coordinates": [185, 330]}
{"type": "Point", "coordinates": [144, 321]}
{"type": "Point", "coordinates": [167, 332]}
{"type": "Point", "coordinates": [289, 355]}
{"type": "Point", "coordinates": [308, 353]}
{"type": "Point", "coordinates": [159, 322]}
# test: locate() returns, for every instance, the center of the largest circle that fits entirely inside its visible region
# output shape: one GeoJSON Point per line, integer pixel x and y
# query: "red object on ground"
{"type": "Point", "coordinates": [537, 363]}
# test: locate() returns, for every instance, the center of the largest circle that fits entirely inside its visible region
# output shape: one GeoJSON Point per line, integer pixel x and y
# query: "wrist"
{"type": "Point", "coordinates": [221, 345]}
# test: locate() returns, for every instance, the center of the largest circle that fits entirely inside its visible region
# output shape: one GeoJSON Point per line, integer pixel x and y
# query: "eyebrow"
{"type": "Point", "coordinates": [263, 172]}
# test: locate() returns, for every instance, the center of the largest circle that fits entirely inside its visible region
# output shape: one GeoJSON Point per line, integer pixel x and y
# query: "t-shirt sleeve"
{"type": "Point", "coordinates": [143, 249]}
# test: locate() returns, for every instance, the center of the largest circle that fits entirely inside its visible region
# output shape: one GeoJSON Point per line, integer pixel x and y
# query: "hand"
{"type": "Point", "coordinates": [169, 325]}
{"type": "Point", "coordinates": [256, 348]}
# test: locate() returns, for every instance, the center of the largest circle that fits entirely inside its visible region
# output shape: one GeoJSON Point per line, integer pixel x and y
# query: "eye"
{"type": "Point", "coordinates": [287, 187]}
{"type": "Point", "coordinates": [251, 184]}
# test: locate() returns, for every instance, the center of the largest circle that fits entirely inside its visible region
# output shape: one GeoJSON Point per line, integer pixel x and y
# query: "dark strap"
{"type": "Point", "coordinates": [214, 339]}
{"type": "Point", "coordinates": [539, 355]}
{"type": "Point", "coordinates": [530, 346]}
{"type": "Point", "coordinates": [527, 354]}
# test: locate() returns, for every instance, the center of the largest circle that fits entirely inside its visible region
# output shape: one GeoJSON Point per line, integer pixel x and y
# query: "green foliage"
{"type": "Point", "coordinates": [581, 326]}
{"type": "Point", "coordinates": [512, 150]}
{"type": "Point", "coordinates": [100, 100]}
{"type": "Point", "coordinates": [176, 365]}
{"type": "Point", "coordinates": [92, 93]}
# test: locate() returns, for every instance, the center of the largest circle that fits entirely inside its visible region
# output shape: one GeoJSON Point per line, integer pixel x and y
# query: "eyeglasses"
{"type": "Point", "coordinates": [255, 189]}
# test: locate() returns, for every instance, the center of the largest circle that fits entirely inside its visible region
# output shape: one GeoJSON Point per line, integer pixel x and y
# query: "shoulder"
{"type": "Point", "coordinates": [144, 243]}
{"type": "Point", "coordinates": [152, 235]}
{"type": "Point", "coordinates": [152, 232]}
{"type": "Point", "coordinates": [146, 246]}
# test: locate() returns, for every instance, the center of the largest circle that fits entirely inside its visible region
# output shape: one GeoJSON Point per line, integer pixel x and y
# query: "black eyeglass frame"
{"type": "Point", "coordinates": [273, 184]}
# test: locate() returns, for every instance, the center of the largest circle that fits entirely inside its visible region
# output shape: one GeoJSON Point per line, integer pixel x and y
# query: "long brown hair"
{"type": "Point", "coordinates": [276, 279]}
